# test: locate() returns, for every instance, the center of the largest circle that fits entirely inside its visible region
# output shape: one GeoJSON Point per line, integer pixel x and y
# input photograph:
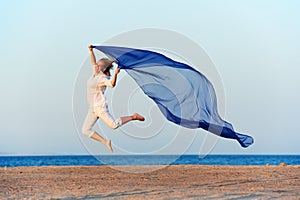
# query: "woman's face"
{"type": "Point", "coordinates": [100, 66]}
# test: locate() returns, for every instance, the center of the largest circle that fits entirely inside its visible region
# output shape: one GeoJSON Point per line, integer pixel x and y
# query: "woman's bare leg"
{"type": "Point", "coordinates": [135, 116]}
{"type": "Point", "coordinates": [99, 138]}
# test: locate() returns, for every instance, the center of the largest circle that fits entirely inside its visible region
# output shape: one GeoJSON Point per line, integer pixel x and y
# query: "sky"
{"type": "Point", "coordinates": [254, 45]}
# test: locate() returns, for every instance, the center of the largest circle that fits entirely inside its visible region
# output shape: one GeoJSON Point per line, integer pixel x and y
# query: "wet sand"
{"type": "Point", "coordinates": [180, 181]}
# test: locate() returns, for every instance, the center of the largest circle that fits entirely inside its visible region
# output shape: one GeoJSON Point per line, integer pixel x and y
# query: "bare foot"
{"type": "Point", "coordinates": [108, 145]}
{"type": "Point", "coordinates": [136, 116]}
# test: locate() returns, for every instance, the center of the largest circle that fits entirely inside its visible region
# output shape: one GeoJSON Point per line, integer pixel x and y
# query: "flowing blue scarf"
{"type": "Point", "coordinates": [184, 95]}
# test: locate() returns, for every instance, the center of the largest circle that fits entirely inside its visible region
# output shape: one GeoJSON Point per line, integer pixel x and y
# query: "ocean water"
{"type": "Point", "coordinates": [13, 161]}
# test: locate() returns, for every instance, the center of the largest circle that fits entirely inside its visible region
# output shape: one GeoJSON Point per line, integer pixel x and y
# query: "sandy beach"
{"type": "Point", "coordinates": [172, 182]}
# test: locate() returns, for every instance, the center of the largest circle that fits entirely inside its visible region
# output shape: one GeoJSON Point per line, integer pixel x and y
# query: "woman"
{"type": "Point", "coordinates": [96, 86]}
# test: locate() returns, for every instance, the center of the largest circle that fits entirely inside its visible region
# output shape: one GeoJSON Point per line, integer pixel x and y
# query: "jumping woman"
{"type": "Point", "coordinates": [98, 108]}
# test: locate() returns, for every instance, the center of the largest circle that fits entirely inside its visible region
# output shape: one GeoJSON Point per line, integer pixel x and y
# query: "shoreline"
{"type": "Point", "coordinates": [150, 165]}
{"type": "Point", "coordinates": [171, 181]}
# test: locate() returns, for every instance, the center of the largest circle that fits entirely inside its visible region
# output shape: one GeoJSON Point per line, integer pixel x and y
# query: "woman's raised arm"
{"type": "Point", "coordinates": [114, 79]}
{"type": "Point", "coordinates": [93, 58]}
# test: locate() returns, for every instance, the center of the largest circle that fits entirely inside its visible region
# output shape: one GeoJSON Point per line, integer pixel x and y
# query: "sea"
{"type": "Point", "coordinates": [99, 160]}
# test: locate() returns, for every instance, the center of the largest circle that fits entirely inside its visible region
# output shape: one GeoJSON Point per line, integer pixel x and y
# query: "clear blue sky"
{"type": "Point", "coordinates": [255, 45]}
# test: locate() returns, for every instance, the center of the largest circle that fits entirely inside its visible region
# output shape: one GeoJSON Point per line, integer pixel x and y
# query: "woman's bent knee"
{"type": "Point", "coordinates": [87, 133]}
{"type": "Point", "coordinates": [113, 126]}
{"type": "Point", "coordinates": [116, 124]}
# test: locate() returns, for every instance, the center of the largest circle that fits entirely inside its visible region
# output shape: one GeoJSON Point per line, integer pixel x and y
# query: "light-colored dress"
{"type": "Point", "coordinates": [96, 86]}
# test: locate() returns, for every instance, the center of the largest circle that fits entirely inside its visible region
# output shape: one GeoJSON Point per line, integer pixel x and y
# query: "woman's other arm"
{"type": "Point", "coordinates": [114, 79]}
{"type": "Point", "coordinates": [93, 58]}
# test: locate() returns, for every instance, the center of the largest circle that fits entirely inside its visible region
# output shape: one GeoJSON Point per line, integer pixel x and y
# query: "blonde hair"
{"type": "Point", "coordinates": [108, 64]}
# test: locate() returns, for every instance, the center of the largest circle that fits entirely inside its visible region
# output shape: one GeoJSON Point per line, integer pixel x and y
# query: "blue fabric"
{"type": "Point", "coordinates": [184, 95]}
